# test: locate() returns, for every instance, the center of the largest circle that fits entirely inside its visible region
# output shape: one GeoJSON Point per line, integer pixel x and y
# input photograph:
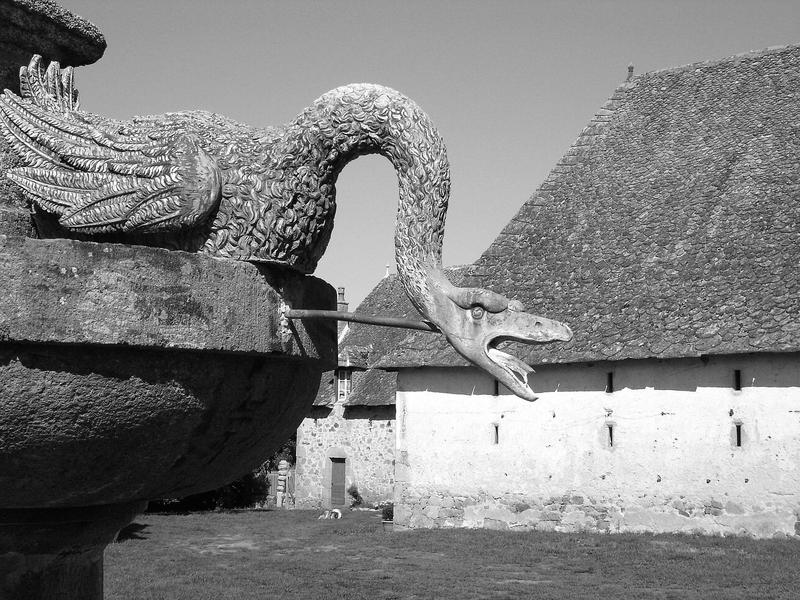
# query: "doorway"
{"type": "Point", "coordinates": [337, 481]}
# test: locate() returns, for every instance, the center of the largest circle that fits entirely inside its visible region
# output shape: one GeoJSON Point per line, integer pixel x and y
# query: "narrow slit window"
{"type": "Point", "coordinates": [496, 438]}
{"type": "Point", "coordinates": [738, 435]}
{"type": "Point", "coordinates": [496, 387]}
{"type": "Point", "coordinates": [737, 379]}
{"type": "Point", "coordinates": [610, 382]}
{"type": "Point", "coordinates": [610, 429]}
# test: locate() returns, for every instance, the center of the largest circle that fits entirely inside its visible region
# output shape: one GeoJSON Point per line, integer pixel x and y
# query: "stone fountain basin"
{"type": "Point", "coordinates": [130, 373]}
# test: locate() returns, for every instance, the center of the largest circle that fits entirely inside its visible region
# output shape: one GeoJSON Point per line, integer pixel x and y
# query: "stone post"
{"type": "Point", "coordinates": [283, 474]}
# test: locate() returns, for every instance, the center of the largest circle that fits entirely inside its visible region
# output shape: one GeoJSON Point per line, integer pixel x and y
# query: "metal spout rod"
{"type": "Point", "coordinates": [355, 318]}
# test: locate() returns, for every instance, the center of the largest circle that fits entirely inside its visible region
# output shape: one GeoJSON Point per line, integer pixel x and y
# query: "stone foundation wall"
{"type": "Point", "coordinates": [439, 509]}
{"type": "Point", "coordinates": [675, 447]}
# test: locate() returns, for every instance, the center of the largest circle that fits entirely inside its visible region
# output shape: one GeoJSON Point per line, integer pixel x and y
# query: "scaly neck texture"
{"type": "Point", "coordinates": [296, 193]}
{"type": "Point", "coordinates": [365, 119]}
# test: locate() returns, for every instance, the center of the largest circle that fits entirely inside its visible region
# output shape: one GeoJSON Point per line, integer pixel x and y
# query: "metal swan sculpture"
{"type": "Point", "coordinates": [198, 181]}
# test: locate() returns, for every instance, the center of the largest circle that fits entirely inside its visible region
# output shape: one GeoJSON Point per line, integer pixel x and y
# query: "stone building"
{"type": "Point", "coordinates": [349, 436]}
{"type": "Point", "coordinates": [667, 237]}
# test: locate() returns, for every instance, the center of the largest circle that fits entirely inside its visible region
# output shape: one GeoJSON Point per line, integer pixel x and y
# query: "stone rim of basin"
{"type": "Point", "coordinates": [138, 296]}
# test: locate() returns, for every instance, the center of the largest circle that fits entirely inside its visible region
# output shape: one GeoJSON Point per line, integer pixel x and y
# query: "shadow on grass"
{"type": "Point", "coordinates": [132, 532]}
{"type": "Point", "coordinates": [156, 510]}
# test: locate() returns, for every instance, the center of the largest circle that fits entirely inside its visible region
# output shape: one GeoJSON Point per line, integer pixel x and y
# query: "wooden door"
{"type": "Point", "coordinates": [337, 482]}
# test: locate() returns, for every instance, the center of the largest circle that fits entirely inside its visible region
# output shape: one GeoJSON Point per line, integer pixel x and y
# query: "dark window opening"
{"type": "Point", "coordinates": [610, 435]}
{"type": "Point", "coordinates": [737, 379]}
{"type": "Point", "coordinates": [496, 434]}
{"type": "Point", "coordinates": [610, 383]}
{"type": "Point", "coordinates": [496, 387]}
{"type": "Point", "coordinates": [738, 435]}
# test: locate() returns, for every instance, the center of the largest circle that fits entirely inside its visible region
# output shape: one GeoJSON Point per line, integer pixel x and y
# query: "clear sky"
{"type": "Point", "coordinates": [510, 85]}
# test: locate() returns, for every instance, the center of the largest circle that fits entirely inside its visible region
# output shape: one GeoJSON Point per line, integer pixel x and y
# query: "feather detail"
{"type": "Point", "coordinates": [100, 176]}
{"type": "Point", "coordinates": [79, 145]}
{"type": "Point", "coordinates": [68, 85]}
{"type": "Point", "coordinates": [52, 89]}
{"type": "Point", "coordinates": [38, 125]}
{"type": "Point", "coordinates": [38, 121]}
{"type": "Point", "coordinates": [31, 76]}
{"type": "Point", "coordinates": [157, 212]}
{"type": "Point", "coordinates": [110, 206]}
{"type": "Point", "coordinates": [33, 154]}
{"type": "Point", "coordinates": [53, 198]}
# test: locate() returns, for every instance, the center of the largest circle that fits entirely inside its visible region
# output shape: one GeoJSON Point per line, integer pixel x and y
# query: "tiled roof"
{"type": "Point", "coordinates": [354, 356]}
{"type": "Point", "coordinates": [364, 344]}
{"type": "Point", "coordinates": [326, 395]}
{"type": "Point", "coordinates": [374, 388]}
{"type": "Point", "coordinates": [387, 298]}
{"type": "Point", "coordinates": [670, 227]}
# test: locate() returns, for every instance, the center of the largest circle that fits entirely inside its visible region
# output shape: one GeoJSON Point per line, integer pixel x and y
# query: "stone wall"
{"type": "Point", "coordinates": [363, 435]}
{"type": "Point", "coordinates": [673, 448]}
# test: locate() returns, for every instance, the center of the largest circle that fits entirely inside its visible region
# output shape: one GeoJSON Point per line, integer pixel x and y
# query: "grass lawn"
{"type": "Point", "coordinates": [292, 555]}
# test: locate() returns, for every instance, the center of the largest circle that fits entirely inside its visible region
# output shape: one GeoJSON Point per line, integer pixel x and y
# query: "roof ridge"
{"type": "Point", "coordinates": [589, 135]}
{"type": "Point", "coordinates": [599, 123]}
{"type": "Point", "coordinates": [749, 54]}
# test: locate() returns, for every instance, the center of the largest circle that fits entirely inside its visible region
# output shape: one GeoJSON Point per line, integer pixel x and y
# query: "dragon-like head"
{"type": "Point", "coordinates": [476, 321]}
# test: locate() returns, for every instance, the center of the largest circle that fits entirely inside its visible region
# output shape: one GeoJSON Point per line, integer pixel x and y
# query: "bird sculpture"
{"type": "Point", "coordinates": [200, 182]}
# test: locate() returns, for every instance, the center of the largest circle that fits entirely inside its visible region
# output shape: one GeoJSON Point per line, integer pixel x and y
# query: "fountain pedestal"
{"type": "Point", "coordinates": [131, 373]}
{"type": "Point", "coordinates": [57, 553]}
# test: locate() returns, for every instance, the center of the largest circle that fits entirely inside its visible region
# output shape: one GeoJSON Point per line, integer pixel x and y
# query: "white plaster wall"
{"type": "Point", "coordinates": [674, 453]}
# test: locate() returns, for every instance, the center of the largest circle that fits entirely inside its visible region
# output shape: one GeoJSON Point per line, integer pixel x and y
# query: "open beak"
{"type": "Point", "coordinates": [511, 325]}
{"type": "Point", "coordinates": [527, 329]}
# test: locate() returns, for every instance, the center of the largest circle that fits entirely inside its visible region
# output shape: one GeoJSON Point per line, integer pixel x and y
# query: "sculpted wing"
{"type": "Point", "coordinates": [97, 175]}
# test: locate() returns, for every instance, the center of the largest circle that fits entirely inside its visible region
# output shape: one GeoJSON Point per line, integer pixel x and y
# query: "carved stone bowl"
{"type": "Point", "coordinates": [131, 373]}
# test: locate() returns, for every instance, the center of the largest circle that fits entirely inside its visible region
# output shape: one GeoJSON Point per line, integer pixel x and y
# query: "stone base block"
{"type": "Point", "coordinates": [57, 554]}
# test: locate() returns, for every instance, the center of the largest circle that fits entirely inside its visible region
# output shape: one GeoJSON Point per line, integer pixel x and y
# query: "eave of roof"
{"type": "Point", "coordinates": [375, 388]}
{"type": "Point", "coordinates": [326, 394]}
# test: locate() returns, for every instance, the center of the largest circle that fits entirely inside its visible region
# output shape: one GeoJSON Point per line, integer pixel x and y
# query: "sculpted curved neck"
{"type": "Point", "coordinates": [362, 119]}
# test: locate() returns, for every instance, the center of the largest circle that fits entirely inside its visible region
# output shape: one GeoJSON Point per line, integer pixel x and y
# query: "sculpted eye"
{"type": "Point", "coordinates": [477, 312]}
